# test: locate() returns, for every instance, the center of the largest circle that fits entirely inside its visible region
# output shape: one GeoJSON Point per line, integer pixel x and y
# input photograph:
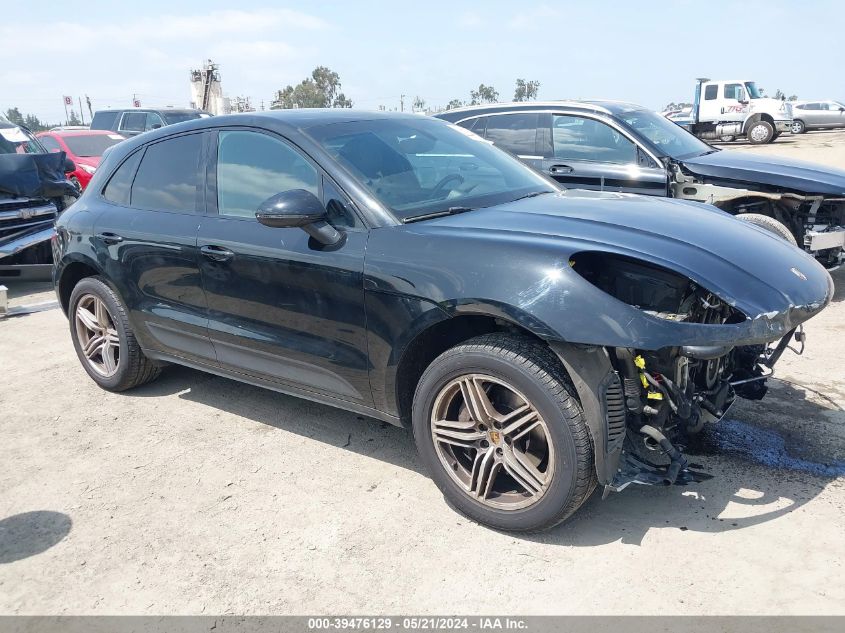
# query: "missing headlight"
{"type": "Point", "coordinates": [653, 289]}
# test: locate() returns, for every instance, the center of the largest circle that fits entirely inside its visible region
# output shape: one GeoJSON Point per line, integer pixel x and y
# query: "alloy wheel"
{"type": "Point", "coordinates": [98, 337]}
{"type": "Point", "coordinates": [492, 441]}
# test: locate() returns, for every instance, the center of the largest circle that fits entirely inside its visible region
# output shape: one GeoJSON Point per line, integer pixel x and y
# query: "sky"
{"type": "Point", "coordinates": [646, 52]}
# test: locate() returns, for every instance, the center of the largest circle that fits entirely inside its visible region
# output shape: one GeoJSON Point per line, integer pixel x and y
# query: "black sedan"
{"type": "Point", "coordinates": [403, 268]}
{"type": "Point", "coordinates": [615, 146]}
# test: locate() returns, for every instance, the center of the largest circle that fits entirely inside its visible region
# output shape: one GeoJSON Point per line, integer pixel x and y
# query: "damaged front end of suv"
{"type": "Point", "coordinates": [662, 313]}
{"type": "Point", "coordinates": [666, 394]}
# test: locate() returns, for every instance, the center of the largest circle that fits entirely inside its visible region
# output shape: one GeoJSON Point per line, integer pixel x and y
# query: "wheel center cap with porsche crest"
{"type": "Point", "coordinates": [798, 274]}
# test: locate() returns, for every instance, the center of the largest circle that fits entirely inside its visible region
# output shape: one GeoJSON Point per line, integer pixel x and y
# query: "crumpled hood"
{"type": "Point", "coordinates": [785, 173]}
{"type": "Point", "coordinates": [748, 267]}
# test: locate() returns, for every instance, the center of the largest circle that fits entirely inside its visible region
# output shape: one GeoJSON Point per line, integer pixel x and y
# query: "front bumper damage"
{"type": "Point", "coordinates": [641, 407]}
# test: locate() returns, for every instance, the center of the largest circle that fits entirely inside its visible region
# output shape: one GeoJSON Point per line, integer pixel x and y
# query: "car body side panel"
{"type": "Point", "coordinates": [393, 321]}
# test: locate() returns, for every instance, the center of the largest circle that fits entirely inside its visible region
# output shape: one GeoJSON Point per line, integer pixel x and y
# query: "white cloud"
{"type": "Point", "coordinates": [470, 20]}
{"type": "Point", "coordinates": [258, 51]}
{"type": "Point", "coordinates": [533, 19]}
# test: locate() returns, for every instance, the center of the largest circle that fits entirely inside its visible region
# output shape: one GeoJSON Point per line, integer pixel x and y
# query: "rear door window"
{"type": "Point", "coordinates": [168, 177]}
{"type": "Point", "coordinates": [133, 122]}
{"type": "Point", "coordinates": [711, 92]}
{"type": "Point", "coordinates": [120, 184]}
{"type": "Point", "coordinates": [515, 132]}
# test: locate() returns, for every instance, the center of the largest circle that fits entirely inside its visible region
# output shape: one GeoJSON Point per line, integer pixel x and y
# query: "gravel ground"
{"type": "Point", "coordinates": [196, 494]}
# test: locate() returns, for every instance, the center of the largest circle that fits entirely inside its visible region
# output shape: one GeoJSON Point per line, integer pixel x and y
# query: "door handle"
{"type": "Point", "coordinates": [216, 253]}
{"type": "Point", "coordinates": [557, 170]}
{"type": "Point", "coordinates": [109, 238]}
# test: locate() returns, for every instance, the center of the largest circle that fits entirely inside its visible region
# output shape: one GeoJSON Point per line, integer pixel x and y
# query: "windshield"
{"type": "Point", "coordinates": [668, 137]}
{"type": "Point", "coordinates": [418, 167]}
{"type": "Point", "coordinates": [753, 91]}
{"type": "Point", "coordinates": [91, 144]}
{"type": "Point", "coordinates": [16, 140]}
{"type": "Point", "coordinates": [178, 117]}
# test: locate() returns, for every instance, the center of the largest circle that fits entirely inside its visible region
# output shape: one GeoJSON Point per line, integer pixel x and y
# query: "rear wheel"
{"type": "Point", "coordinates": [770, 224]}
{"type": "Point", "coordinates": [104, 340]}
{"type": "Point", "coordinates": [760, 132]}
{"type": "Point", "coordinates": [497, 424]}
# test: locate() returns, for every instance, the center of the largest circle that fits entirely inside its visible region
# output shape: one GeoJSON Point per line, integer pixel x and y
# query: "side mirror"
{"type": "Point", "coordinates": [298, 208]}
{"type": "Point", "coordinates": [155, 126]}
{"type": "Point", "coordinates": [69, 165]}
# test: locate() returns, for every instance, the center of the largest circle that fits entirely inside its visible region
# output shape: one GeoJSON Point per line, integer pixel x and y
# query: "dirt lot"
{"type": "Point", "coordinates": [197, 494]}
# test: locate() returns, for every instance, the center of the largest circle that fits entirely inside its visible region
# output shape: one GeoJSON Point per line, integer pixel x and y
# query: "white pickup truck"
{"type": "Point", "coordinates": [728, 108]}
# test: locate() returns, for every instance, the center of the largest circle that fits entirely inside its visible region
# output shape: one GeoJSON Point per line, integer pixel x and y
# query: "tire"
{"type": "Point", "coordinates": [727, 138]}
{"type": "Point", "coordinates": [798, 126]}
{"type": "Point", "coordinates": [760, 132]}
{"type": "Point", "coordinates": [117, 363]}
{"type": "Point", "coordinates": [770, 224]}
{"type": "Point", "coordinates": [497, 363]}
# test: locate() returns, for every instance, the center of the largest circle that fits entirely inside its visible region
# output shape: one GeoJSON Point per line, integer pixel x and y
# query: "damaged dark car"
{"type": "Point", "coordinates": [540, 343]}
{"type": "Point", "coordinates": [615, 146]}
{"type": "Point", "coordinates": [33, 191]}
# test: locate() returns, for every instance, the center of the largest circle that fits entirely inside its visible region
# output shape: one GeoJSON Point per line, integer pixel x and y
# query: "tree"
{"type": "Point", "coordinates": [14, 115]}
{"type": "Point", "coordinates": [779, 94]}
{"type": "Point", "coordinates": [677, 106]}
{"type": "Point", "coordinates": [73, 119]}
{"type": "Point", "coordinates": [526, 90]}
{"type": "Point", "coordinates": [484, 94]}
{"type": "Point", "coordinates": [34, 123]}
{"type": "Point", "coordinates": [793, 98]}
{"type": "Point", "coordinates": [419, 103]}
{"type": "Point", "coordinates": [454, 103]}
{"type": "Point", "coordinates": [320, 90]}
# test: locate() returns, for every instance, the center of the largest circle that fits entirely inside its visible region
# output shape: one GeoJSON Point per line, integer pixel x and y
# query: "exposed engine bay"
{"type": "Point", "coordinates": [671, 393]}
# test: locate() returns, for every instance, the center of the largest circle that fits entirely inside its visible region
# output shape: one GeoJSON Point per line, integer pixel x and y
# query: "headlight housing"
{"type": "Point", "coordinates": [653, 289]}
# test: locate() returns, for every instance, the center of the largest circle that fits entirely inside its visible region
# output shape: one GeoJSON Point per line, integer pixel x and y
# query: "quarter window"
{"type": "Point", "coordinates": [711, 92]}
{"type": "Point", "coordinates": [252, 167]}
{"type": "Point", "coordinates": [167, 178]}
{"type": "Point", "coordinates": [516, 132]}
{"type": "Point", "coordinates": [580, 138]}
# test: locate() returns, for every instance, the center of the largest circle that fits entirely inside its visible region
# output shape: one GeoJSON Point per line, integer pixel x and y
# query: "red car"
{"type": "Point", "coordinates": [83, 147]}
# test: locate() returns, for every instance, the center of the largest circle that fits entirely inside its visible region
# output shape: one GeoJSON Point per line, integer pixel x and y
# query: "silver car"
{"type": "Point", "coordinates": [815, 115]}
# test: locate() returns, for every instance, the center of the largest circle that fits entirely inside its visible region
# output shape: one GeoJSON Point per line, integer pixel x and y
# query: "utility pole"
{"type": "Point", "coordinates": [81, 111]}
{"type": "Point", "coordinates": [401, 103]}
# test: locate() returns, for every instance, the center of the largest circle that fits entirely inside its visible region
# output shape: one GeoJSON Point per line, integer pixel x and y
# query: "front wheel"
{"type": "Point", "coordinates": [502, 434]}
{"type": "Point", "coordinates": [760, 133]}
{"type": "Point", "coordinates": [770, 224]}
{"type": "Point", "coordinates": [798, 127]}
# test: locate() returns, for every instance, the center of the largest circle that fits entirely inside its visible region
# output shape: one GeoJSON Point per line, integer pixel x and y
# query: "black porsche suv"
{"type": "Point", "coordinates": [401, 267]}
{"type": "Point", "coordinates": [616, 146]}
